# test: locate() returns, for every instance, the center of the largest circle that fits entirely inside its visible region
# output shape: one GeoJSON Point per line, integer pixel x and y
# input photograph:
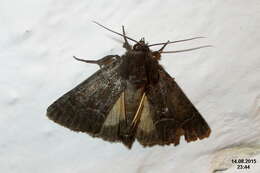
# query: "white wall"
{"type": "Point", "coordinates": [39, 38]}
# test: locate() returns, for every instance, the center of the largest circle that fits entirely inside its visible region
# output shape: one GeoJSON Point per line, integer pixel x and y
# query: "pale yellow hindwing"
{"type": "Point", "coordinates": [146, 123]}
{"type": "Point", "coordinates": [117, 113]}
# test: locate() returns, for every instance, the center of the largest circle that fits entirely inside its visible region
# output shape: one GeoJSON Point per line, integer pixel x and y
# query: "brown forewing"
{"type": "Point", "coordinates": [168, 114]}
{"type": "Point", "coordinates": [86, 107]}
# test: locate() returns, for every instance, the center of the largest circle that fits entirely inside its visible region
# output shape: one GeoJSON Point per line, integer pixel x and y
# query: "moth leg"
{"type": "Point", "coordinates": [165, 44]}
{"type": "Point", "coordinates": [101, 62]}
{"type": "Point", "coordinates": [126, 44]}
{"type": "Point", "coordinates": [138, 112]}
{"type": "Point", "coordinates": [157, 54]}
{"type": "Point", "coordinates": [107, 60]}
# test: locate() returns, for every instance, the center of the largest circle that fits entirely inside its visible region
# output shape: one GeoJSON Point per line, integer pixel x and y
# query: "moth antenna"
{"type": "Point", "coordinates": [169, 42]}
{"type": "Point", "coordinates": [115, 32]}
{"type": "Point", "coordinates": [186, 50]}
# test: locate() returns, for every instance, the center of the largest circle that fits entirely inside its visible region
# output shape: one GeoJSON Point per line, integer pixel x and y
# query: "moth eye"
{"type": "Point", "coordinates": [135, 47]}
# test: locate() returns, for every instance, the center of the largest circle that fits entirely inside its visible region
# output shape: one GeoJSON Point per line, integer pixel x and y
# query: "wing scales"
{"type": "Point", "coordinates": [168, 114]}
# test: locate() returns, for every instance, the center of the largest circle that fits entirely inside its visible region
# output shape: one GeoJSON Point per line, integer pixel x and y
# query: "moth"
{"type": "Point", "coordinates": [131, 97]}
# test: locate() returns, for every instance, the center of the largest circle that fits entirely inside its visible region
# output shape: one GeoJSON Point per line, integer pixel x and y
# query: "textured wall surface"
{"type": "Point", "coordinates": [39, 38]}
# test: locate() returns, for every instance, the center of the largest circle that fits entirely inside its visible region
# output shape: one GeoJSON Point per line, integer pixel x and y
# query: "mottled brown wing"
{"type": "Point", "coordinates": [168, 114]}
{"type": "Point", "coordinates": [95, 102]}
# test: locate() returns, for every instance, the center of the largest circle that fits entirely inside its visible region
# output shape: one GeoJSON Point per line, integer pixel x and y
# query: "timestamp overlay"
{"type": "Point", "coordinates": [244, 163]}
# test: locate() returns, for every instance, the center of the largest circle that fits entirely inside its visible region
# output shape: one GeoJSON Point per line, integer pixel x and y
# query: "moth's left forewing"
{"type": "Point", "coordinates": [168, 114]}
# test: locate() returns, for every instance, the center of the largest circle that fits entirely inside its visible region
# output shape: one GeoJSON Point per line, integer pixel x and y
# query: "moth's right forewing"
{"type": "Point", "coordinates": [86, 107]}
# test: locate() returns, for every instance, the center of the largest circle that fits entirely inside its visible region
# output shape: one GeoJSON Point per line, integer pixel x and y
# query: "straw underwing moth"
{"type": "Point", "coordinates": [131, 98]}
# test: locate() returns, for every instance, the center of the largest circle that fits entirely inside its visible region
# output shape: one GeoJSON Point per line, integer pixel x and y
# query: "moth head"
{"type": "Point", "coordinates": [141, 46]}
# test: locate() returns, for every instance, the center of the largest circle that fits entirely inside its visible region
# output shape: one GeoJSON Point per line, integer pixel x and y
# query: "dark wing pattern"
{"type": "Point", "coordinates": [168, 114]}
{"type": "Point", "coordinates": [95, 102]}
